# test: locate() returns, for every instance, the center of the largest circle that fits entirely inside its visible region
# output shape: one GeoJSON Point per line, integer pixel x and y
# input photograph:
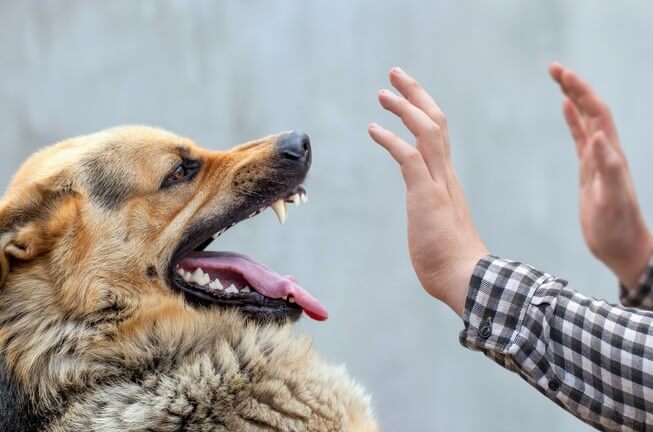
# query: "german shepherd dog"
{"type": "Point", "coordinates": [114, 318]}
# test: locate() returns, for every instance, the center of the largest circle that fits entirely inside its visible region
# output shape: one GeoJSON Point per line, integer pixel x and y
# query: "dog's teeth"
{"type": "Point", "coordinates": [291, 299]}
{"type": "Point", "coordinates": [180, 271]}
{"type": "Point", "coordinates": [285, 297]}
{"type": "Point", "coordinates": [216, 285]}
{"type": "Point", "coordinates": [218, 234]}
{"type": "Point", "coordinates": [303, 197]}
{"type": "Point", "coordinates": [231, 290]}
{"type": "Point", "coordinates": [252, 214]}
{"type": "Point", "coordinates": [280, 208]}
{"type": "Point", "coordinates": [295, 199]}
{"type": "Point", "coordinates": [246, 289]}
{"type": "Point", "coordinates": [198, 276]}
{"type": "Point", "coordinates": [187, 276]}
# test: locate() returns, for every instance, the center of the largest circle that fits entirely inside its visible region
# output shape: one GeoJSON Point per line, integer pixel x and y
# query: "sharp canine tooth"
{"type": "Point", "coordinates": [279, 207]}
{"type": "Point", "coordinates": [304, 197]}
{"type": "Point", "coordinates": [180, 271]}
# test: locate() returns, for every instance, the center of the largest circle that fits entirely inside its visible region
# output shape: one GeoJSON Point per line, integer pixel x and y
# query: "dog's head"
{"type": "Point", "coordinates": [120, 219]}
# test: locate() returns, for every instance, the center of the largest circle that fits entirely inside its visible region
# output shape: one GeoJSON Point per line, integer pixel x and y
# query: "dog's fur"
{"type": "Point", "coordinates": [93, 338]}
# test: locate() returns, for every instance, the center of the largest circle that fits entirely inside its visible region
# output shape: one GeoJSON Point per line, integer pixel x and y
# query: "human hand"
{"type": "Point", "coordinates": [443, 242]}
{"type": "Point", "coordinates": [610, 217]}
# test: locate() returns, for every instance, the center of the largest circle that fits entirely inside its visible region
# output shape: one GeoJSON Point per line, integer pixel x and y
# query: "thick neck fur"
{"type": "Point", "coordinates": [245, 376]}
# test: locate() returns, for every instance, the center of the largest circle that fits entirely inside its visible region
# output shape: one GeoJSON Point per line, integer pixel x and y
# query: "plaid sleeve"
{"type": "Point", "coordinates": [593, 359]}
{"type": "Point", "coordinates": [641, 295]}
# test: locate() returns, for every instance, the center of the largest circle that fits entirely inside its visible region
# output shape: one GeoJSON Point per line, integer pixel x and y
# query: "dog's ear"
{"type": "Point", "coordinates": [25, 223]}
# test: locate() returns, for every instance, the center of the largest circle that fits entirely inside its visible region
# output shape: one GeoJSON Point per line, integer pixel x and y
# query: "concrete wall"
{"type": "Point", "coordinates": [224, 72]}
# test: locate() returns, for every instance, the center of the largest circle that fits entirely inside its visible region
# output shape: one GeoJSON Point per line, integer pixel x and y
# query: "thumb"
{"type": "Point", "coordinates": [609, 162]}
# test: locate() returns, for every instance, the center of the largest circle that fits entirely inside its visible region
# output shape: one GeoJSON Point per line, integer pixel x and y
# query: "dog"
{"type": "Point", "coordinates": [113, 317]}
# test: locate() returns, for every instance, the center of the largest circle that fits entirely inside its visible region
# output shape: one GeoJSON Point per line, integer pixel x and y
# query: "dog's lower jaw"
{"type": "Point", "coordinates": [266, 378]}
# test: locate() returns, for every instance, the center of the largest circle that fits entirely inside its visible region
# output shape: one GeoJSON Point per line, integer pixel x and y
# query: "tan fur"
{"type": "Point", "coordinates": [98, 344]}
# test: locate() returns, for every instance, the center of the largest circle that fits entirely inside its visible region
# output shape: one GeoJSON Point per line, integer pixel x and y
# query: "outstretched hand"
{"type": "Point", "coordinates": [611, 220]}
{"type": "Point", "coordinates": [443, 242]}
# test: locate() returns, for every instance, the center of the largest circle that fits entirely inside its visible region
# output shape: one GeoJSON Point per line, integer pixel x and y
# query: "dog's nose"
{"type": "Point", "coordinates": [295, 146]}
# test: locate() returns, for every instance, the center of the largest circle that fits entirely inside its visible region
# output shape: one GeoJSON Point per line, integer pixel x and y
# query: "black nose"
{"type": "Point", "coordinates": [295, 146]}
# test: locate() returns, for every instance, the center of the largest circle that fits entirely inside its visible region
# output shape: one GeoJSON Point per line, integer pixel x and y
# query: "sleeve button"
{"type": "Point", "coordinates": [485, 330]}
{"type": "Point", "coordinates": [554, 385]}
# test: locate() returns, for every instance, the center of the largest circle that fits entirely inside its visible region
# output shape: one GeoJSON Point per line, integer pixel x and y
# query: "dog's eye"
{"type": "Point", "coordinates": [179, 174]}
{"type": "Point", "coordinates": [183, 172]}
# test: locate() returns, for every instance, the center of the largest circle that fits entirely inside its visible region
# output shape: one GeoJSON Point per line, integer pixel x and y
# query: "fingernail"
{"type": "Point", "coordinates": [373, 126]}
{"type": "Point", "coordinates": [398, 70]}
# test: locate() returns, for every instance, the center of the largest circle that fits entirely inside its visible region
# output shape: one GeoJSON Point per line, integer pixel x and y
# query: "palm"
{"type": "Point", "coordinates": [607, 219]}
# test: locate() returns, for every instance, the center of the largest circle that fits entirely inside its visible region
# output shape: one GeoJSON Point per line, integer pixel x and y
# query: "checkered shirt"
{"type": "Point", "coordinates": [592, 358]}
{"type": "Point", "coordinates": [641, 296]}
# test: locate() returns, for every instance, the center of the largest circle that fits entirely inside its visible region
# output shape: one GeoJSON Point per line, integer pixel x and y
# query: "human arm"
{"type": "Point", "coordinates": [593, 359]}
{"type": "Point", "coordinates": [525, 320]}
{"type": "Point", "coordinates": [443, 242]}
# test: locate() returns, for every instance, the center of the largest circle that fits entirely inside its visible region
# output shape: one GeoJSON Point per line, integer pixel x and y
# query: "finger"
{"type": "Point", "coordinates": [589, 105]}
{"type": "Point", "coordinates": [412, 90]}
{"type": "Point", "coordinates": [586, 99]}
{"type": "Point", "coordinates": [576, 126]}
{"type": "Point", "coordinates": [556, 70]}
{"type": "Point", "coordinates": [413, 167]}
{"type": "Point", "coordinates": [425, 130]}
{"type": "Point", "coordinates": [417, 122]}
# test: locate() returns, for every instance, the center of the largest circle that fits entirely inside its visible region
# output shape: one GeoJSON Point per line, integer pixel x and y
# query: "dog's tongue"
{"type": "Point", "coordinates": [259, 277]}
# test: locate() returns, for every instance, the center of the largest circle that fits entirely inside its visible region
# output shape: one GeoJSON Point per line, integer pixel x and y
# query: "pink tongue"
{"type": "Point", "coordinates": [259, 277]}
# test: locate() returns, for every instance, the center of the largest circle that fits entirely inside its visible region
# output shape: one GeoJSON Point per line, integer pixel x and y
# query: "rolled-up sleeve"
{"type": "Point", "coordinates": [641, 295]}
{"type": "Point", "coordinates": [592, 358]}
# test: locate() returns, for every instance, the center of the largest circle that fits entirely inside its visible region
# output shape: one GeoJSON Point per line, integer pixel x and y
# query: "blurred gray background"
{"type": "Point", "coordinates": [224, 72]}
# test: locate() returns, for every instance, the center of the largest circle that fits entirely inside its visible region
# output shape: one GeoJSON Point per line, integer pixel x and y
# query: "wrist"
{"type": "Point", "coordinates": [628, 269]}
{"type": "Point", "coordinates": [454, 286]}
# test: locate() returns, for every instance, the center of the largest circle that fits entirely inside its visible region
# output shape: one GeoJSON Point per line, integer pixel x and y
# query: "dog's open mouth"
{"type": "Point", "coordinates": [233, 280]}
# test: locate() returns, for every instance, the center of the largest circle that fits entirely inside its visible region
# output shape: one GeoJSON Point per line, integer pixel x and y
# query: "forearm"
{"type": "Point", "coordinates": [590, 357]}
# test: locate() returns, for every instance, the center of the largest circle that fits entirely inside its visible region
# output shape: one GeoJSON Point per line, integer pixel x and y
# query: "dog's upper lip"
{"type": "Point", "coordinates": [280, 207]}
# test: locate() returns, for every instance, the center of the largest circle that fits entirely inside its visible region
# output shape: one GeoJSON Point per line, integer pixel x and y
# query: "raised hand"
{"type": "Point", "coordinates": [444, 244]}
{"type": "Point", "coordinates": [611, 220]}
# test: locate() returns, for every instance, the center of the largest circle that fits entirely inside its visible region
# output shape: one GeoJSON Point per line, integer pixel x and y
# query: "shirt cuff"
{"type": "Point", "coordinates": [640, 295]}
{"type": "Point", "coordinates": [499, 294]}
